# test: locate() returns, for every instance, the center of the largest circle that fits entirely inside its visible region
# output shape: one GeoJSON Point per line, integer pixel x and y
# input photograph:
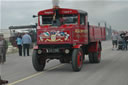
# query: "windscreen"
{"type": "Point", "coordinates": [63, 19]}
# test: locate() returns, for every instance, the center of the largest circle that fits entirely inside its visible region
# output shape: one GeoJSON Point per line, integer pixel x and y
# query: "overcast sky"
{"type": "Point", "coordinates": [19, 12]}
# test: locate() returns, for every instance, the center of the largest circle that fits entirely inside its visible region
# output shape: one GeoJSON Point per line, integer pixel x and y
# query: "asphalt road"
{"type": "Point", "coordinates": [113, 70]}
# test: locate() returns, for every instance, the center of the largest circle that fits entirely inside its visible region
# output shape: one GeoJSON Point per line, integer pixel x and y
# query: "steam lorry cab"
{"type": "Point", "coordinates": [66, 35]}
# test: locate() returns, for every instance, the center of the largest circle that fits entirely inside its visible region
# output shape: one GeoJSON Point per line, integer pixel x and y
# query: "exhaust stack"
{"type": "Point", "coordinates": [55, 3]}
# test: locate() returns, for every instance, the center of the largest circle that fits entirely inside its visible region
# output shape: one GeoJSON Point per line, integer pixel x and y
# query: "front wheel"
{"type": "Point", "coordinates": [38, 61]}
{"type": "Point", "coordinates": [77, 59]}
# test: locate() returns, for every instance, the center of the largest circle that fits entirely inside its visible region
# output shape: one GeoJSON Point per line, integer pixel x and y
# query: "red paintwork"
{"type": "Point", "coordinates": [77, 46]}
{"type": "Point", "coordinates": [97, 33]}
{"type": "Point", "coordinates": [61, 11]}
{"type": "Point", "coordinates": [74, 37]}
{"type": "Point", "coordinates": [79, 59]}
{"type": "Point", "coordinates": [93, 47]}
{"type": "Point", "coordinates": [73, 34]}
{"type": "Point", "coordinates": [46, 32]}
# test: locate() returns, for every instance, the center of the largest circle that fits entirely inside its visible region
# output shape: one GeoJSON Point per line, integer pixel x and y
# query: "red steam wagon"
{"type": "Point", "coordinates": [65, 34]}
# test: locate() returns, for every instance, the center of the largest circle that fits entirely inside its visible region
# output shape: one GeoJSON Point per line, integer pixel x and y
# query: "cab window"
{"type": "Point", "coordinates": [82, 19]}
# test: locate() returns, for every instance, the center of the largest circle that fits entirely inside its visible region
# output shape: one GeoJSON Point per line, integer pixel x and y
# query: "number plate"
{"type": "Point", "coordinates": [53, 50]}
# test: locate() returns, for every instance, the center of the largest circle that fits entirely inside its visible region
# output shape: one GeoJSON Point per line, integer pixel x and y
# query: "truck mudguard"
{"type": "Point", "coordinates": [93, 47]}
{"type": "Point", "coordinates": [77, 46]}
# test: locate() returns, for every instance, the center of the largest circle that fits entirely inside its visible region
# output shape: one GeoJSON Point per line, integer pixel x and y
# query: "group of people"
{"type": "Point", "coordinates": [23, 42]}
{"type": "Point", "coordinates": [120, 40]}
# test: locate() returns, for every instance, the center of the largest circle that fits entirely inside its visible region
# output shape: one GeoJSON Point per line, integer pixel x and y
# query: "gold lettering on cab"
{"type": "Point", "coordinates": [80, 31]}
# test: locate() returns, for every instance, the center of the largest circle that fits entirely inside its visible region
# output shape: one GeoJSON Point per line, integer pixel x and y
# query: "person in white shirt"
{"type": "Point", "coordinates": [114, 40]}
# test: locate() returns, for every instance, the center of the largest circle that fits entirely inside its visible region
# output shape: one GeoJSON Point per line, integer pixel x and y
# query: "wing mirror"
{"type": "Point", "coordinates": [34, 16]}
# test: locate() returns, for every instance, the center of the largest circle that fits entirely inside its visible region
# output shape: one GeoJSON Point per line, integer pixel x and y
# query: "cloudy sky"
{"type": "Point", "coordinates": [19, 12]}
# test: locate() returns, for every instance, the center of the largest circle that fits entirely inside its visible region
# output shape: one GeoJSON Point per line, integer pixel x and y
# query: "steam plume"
{"type": "Point", "coordinates": [55, 2]}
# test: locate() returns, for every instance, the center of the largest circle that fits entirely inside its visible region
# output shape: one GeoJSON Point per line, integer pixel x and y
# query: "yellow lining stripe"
{"type": "Point", "coordinates": [34, 75]}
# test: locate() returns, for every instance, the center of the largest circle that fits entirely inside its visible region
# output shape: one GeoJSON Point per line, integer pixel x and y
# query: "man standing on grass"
{"type": "Point", "coordinates": [26, 40]}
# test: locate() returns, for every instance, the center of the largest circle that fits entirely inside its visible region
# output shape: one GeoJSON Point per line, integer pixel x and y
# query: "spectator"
{"type": "Point", "coordinates": [2, 55]}
{"type": "Point", "coordinates": [114, 40]}
{"type": "Point", "coordinates": [19, 44]}
{"type": "Point", "coordinates": [126, 39]}
{"type": "Point", "coordinates": [3, 47]}
{"type": "Point", "coordinates": [26, 39]}
{"type": "Point", "coordinates": [123, 35]}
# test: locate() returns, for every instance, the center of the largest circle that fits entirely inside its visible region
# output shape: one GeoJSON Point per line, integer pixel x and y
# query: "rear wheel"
{"type": "Point", "coordinates": [61, 60]}
{"type": "Point", "coordinates": [77, 59]}
{"type": "Point", "coordinates": [91, 59]}
{"type": "Point", "coordinates": [95, 57]}
{"type": "Point", "coordinates": [38, 61]}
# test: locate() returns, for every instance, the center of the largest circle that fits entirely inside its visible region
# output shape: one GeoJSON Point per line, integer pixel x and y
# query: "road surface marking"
{"type": "Point", "coordinates": [34, 75]}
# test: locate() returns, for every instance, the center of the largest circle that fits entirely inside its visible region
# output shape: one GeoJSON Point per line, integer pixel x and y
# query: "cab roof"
{"type": "Point", "coordinates": [62, 11]}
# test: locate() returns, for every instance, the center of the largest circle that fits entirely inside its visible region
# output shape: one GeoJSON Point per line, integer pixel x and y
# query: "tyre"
{"type": "Point", "coordinates": [38, 61]}
{"type": "Point", "coordinates": [97, 56]}
{"type": "Point", "coordinates": [91, 58]}
{"type": "Point", "coordinates": [77, 59]}
{"type": "Point", "coordinates": [61, 60]}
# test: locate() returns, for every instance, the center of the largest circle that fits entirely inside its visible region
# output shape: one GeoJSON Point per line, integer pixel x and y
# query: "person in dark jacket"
{"type": "Point", "coordinates": [3, 47]}
{"type": "Point", "coordinates": [126, 40]}
{"type": "Point", "coordinates": [123, 35]}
